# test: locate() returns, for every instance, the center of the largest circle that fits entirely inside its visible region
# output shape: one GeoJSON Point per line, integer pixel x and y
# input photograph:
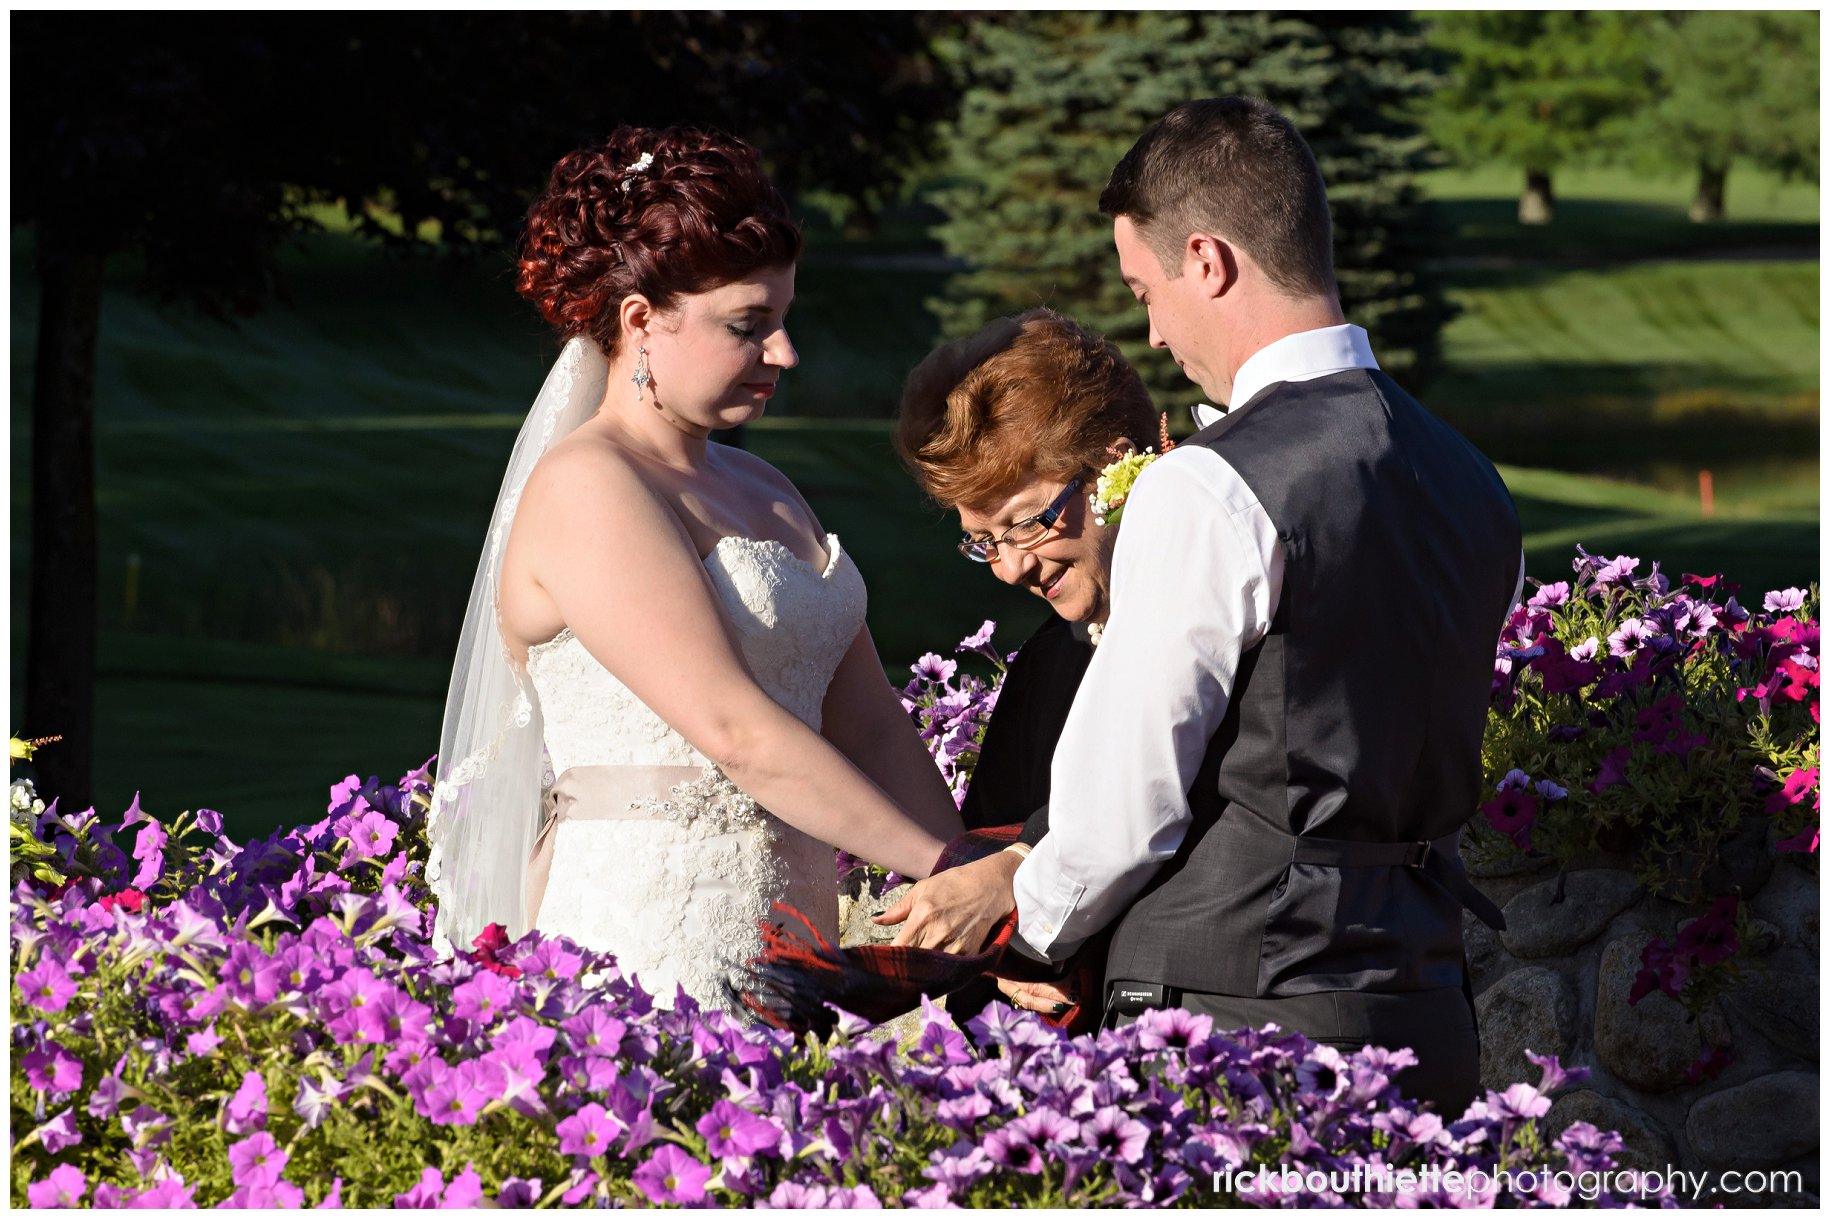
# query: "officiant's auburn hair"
{"type": "Point", "coordinates": [1031, 396]}
{"type": "Point", "coordinates": [666, 213]}
{"type": "Point", "coordinates": [1236, 168]}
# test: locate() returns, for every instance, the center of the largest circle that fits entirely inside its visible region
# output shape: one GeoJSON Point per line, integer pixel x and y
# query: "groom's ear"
{"type": "Point", "coordinates": [1211, 262]}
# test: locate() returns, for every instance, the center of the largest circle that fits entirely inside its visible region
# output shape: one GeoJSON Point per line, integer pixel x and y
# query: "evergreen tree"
{"type": "Point", "coordinates": [1731, 86]}
{"type": "Point", "coordinates": [1537, 90]}
{"type": "Point", "coordinates": [1051, 101]}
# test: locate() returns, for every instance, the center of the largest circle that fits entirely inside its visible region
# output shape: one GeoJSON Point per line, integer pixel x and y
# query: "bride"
{"type": "Point", "coordinates": [662, 643]}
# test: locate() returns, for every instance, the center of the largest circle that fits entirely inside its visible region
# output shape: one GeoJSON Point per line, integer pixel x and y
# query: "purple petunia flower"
{"type": "Point", "coordinates": [730, 1130]}
{"type": "Point", "coordinates": [464, 1192]}
{"type": "Point", "coordinates": [1550, 596]}
{"type": "Point", "coordinates": [519, 1193]}
{"type": "Point", "coordinates": [978, 639]}
{"type": "Point", "coordinates": [370, 834]}
{"type": "Point", "coordinates": [1633, 634]}
{"type": "Point", "coordinates": [1784, 601]}
{"type": "Point", "coordinates": [60, 1132]}
{"type": "Point", "coordinates": [457, 1098]}
{"type": "Point", "coordinates": [247, 1109]}
{"type": "Point", "coordinates": [46, 986]}
{"type": "Point", "coordinates": [1116, 1135]}
{"type": "Point", "coordinates": [1614, 571]}
{"type": "Point", "coordinates": [1549, 789]}
{"type": "Point", "coordinates": [52, 1069]}
{"type": "Point", "coordinates": [62, 1190]}
{"type": "Point", "coordinates": [256, 1160]}
{"type": "Point", "coordinates": [315, 1100]}
{"type": "Point", "coordinates": [1168, 1027]}
{"type": "Point", "coordinates": [1613, 770]}
{"type": "Point", "coordinates": [794, 1196]}
{"type": "Point", "coordinates": [933, 668]}
{"type": "Point", "coordinates": [1520, 1102]}
{"type": "Point", "coordinates": [426, 1195]}
{"type": "Point", "coordinates": [589, 1132]}
{"type": "Point", "coordinates": [483, 998]}
{"type": "Point", "coordinates": [672, 1175]}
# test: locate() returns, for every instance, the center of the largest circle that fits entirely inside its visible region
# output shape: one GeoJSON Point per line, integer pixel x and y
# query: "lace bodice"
{"type": "Point", "coordinates": [794, 624]}
{"type": "Point", "coordinates": [675, 883]}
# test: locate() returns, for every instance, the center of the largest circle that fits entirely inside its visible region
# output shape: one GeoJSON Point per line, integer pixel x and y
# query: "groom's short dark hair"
{"type": "Point", "coordinates": [1236, 168]}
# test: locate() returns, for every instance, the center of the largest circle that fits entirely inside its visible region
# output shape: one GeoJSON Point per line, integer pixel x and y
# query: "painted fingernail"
{"type": "Point", "coordinates": [1058, 1009]}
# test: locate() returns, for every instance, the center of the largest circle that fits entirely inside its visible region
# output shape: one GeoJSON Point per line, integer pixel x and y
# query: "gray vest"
{"type": "Point", "coordinates": [1324, 855]}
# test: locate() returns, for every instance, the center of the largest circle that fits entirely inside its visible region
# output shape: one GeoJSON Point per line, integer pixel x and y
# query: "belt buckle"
{"type": "Point", "coordinates": [1420, 855]}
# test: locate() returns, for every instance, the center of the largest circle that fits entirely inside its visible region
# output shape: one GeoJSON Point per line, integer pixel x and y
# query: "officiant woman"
{"type": "Point", "coordinates": [1010, 428]}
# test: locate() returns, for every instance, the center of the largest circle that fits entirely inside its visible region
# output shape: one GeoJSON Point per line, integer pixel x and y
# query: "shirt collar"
{"type": "Point", "coordinates": [1303, 356]}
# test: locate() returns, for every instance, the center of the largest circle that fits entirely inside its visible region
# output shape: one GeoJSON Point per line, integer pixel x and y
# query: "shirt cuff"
{"type": "Point", "coordinates": [1046, 899]}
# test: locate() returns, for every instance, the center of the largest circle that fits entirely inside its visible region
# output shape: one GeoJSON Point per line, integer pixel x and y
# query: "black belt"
{"type": "Point", "coordinates": [1433, 858]}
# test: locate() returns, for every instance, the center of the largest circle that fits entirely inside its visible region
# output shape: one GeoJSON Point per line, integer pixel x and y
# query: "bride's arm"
{"type": "Point", "coordinates": [865, 719]}
{"type": "Point", "coordinates": [624, 576]}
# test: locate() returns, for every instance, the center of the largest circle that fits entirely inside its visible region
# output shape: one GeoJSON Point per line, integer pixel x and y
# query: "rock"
{"type": "Point", "coordinates": [1649, 1044]}
{"type": "Point", "coordinates": [855, 914]}
{"type": "Point", "coordinates": [1714, 1027]}
{"type": "Point", "coordinates": [1759, 1124]}
{"type": "Point", "coordinates": [1528, 1009]}
{"type": "Point", "coordinates": [1781, 1000]}
{"type": "Point", "coordinates": [1649, 1147]}
{"type": "Point", "coordinates": [1537, 926]}
{"type": "Point", "coordinates": [1483, 947]}
{"type": "Point", "coordinates": [1791, 902]}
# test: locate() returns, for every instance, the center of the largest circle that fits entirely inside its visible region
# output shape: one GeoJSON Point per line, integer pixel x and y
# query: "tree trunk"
{"type": "Point", "coordinates": [1712, 184]}
{"type": "Point", "coordinates": [60, 652]}
{"type": "Point", "coordinates": [1537, 205]}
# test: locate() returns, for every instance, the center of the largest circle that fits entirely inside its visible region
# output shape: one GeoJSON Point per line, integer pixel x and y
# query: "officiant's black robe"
{"type": "Point", "coordinates": [1010, 782]}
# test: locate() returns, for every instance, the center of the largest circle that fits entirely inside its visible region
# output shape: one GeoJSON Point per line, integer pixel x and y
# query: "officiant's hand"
{"type": "Point", "coordinates": [955, 910]}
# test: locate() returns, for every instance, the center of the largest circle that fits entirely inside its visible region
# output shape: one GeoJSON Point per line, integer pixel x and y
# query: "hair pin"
{"type": "Point", "coordinates": [636, 166]}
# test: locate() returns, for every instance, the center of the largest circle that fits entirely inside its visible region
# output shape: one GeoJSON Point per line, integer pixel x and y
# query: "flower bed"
{"type": "Point", "coordinates": [201, 1022]}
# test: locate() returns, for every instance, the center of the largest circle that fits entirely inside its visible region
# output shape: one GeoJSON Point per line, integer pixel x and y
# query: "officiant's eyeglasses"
{"type": "Point", "coordinates": [1026, 533]}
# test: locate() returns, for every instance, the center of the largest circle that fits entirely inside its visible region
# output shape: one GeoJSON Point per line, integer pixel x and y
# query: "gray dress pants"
{"type": "Point", "coordinates": [1437, 1025]}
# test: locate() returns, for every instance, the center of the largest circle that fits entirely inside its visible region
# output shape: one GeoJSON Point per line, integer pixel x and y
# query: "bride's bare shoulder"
{"type": "Point", "coordinates": [585, 465]}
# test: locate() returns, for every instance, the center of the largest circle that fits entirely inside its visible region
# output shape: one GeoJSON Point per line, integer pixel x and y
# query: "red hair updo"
{"type": "Point", "coordinates": [701, 213]}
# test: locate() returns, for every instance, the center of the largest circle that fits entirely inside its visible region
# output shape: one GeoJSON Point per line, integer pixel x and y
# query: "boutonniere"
{"type": "Point", "coordinates": [1114, 486]}
{"type": "Point", "coordinates": [1117, 479]}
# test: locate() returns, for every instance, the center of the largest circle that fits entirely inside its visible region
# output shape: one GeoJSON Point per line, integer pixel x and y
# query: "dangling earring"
{"type": "Point", "coordinates": [641, 377]}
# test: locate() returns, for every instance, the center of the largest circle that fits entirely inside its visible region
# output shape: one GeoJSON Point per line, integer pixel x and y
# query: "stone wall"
{"type": "Point", "coordinates": [1557, 981]}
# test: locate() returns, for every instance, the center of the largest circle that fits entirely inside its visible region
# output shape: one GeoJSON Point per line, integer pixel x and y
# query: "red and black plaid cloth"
{"type": "Point", "coordinates": [797, 982]}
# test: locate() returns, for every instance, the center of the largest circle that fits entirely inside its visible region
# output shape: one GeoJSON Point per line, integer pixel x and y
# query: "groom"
{"type": "Point", "coordinates": [1262, 781]}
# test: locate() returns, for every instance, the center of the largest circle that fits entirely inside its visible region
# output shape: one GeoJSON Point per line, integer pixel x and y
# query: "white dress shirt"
{"type": "Point", "coordinates": [1195, 538]}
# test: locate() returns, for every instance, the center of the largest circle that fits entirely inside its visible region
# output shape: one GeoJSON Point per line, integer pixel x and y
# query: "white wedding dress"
{"type": "Point", "coordinates": [648, 851]}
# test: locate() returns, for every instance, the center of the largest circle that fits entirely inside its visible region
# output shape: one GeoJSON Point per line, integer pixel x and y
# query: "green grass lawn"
{"type": "Point", "coordinates": [1605, 215]}
{"type": "Point", "coordinates": [302, 499]}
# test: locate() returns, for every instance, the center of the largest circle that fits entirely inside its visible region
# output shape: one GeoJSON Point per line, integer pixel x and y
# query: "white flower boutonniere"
{"type": "Point", "coordinates": [1114, 487]}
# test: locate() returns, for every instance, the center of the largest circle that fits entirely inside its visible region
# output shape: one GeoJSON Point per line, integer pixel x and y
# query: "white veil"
{"type": "Point", "coordinates": [492, 766]}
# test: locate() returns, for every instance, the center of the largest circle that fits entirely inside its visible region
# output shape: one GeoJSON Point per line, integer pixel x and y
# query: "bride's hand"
{"type": "Point", "coordinates": [955, 910]}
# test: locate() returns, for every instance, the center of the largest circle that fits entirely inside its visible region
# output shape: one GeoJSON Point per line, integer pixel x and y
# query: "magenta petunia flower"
{"type": "Point", "coordinates": [730, 1130]}
{"type": "Point", "coordinates": [62, 1190]}
{"type": "Point", "coordinates": [1616, 570]}
{"type": "Point", "coordinates": [671, 1175]}
{"type": "Point", "coordinates": [464, 1192]}
{"type": "Point", "coordinates": [1711, 939]}
{"type": "Point", "coordinates": [247, 1109]}
{"type": "Point", "coordinates": [52, 1069]}
{"type": "Point", "coordinates": [1519, 1102]}
{"type": "Point", "coordinates": [256, 1160]}
{"type": "Point", "coordinates": [1803, 842]}
{"type": "Point", "coordinates": [1513, 812]}
{"type": "Point", "coordinates": [60, 1132]}
{"type": "Point", "coordinates": [204, 1042]}
{"type": "Point", "coordinates": [1613, 770]}
{"type": "Point", "coordinates": [589, 1132]}
{"type": "Point", "coordinates": [46, 986]}
{"type": "Point", "coordinates": [552, 960]}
